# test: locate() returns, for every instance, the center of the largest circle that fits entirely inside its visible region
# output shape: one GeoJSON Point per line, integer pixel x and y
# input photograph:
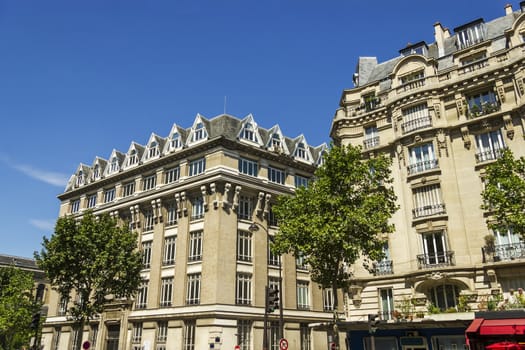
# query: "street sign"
{"type": "Point", "coordinates": [333, 346]}
{"type": "Point", "coordinates": [237, 347]}
{"type": "Point", "coordinates": [86, 345]}
{"type": "Point", "coordinates": [283, 344]}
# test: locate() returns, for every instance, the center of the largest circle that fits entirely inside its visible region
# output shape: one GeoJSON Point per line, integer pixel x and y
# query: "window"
{"type": "Point", "coordinates": [415, 118]}
{"type": "Point", "coordinates": [199, 133]}
{"type": "Point", "coordinates": [420, 48]}
{"type": "Point", "coordinates": [474, 62]}
{"type": "Point", "coordinates": [275, 335]}
{"type": "Point", "coordinates": [96, 172]}
{"type": "Point", "coordinates": [300, 262]}
{"type": "Point", "coordinates": [114, 167]}
{"type": "Point", "coordinates": [128, 189]}
{"type": "Point", "coordinates": [175, 141]}
{"type": "Point", "coordinates": [245, 209]}
{"type": "Point", "coordinates": [197, 166]}
{"type": "Point", "coordinates": [153, 150]}
{"type": "Point", "coordinates": [162, 332]}
{"type": "Point", "coordinates": [62, 307]}
{"type": "Point", "coordinates": [276, 141]}
{"type": "Point", "coordinates": [109, 195]}
{"type": "Point", "coordinates": [248, 133]}
{"type": "Point", "coordinates": [370, 102]}
{"type": "Point", "coordinates": [197, 208]}
{"type": "Point", "coordinates": [56, 339]}
{"type": "Point", "coordinates": [142, 296]}
{"type": "Point", "coordinates": [422, 158]}
{"type": "Point", "coordinates": [172, 214]}
{"type": "Point", "coordinates": [193, 296]}
{"type": "Point", "coordinates": [303, 296]}
{"type": "Point", "coordinates": [305, 338]}
{"type": "Point", "coordinates": [273, 283]}
{"type": "Point", "coordinates": [169, 250]}
{"type": "Point", "coordinates": [384, 266]}
{"type": "Point", "coordinates": [444, 296]}
{"type": "Point", "coordinates": [248, 167]}
{"type": "Point", "coordinates": [508, 245]}
{"type": "Point", "coordinates": [76, 339]}
{"type": "Point", "coordinates": [75, 206]}
{"type": "Point", "coordinates": [300, 181]}
{"type": "Point", "coordinates": [328, 299]}
{"type": "Point", "coordinates": [133, 158]}
{"type": "Point", "coordinates": [80, 178]}
{"type": "Point", "coordinates": [386, 301]}
{"type": "Point", "coordinates": [482, 103]}
{"type": "Point", "coordinates": [93, 336]}
{"type": "Point", "coordinates": [434, 248]}
{"type": "Point", "coordinates": [136, 336]}
{"type": "Point", "coordinates": [420, 74]}
{"type": "Point", "coordinates": [427, 201]}
{"type": "Point", "coordinates": [276, 175]}
{"type": "Point", "coordinates": [470, 34]}
{"type": "Point", "coordinates": [272, 218]}
{"type": "Point", "coordinates": [371, 138]}
{"type": "Point", "coordinates": [195, 253]}
{"type": "Point", "coordinates": [166, 291]}
{"type": "Point", "coordinates": [244, 246]}
{"type": "Point", "coordinates": [243, 294]}
{"type": "Point", "coordinates": [172, 175]}
{"type": "Point", "coordinates": [149, 220]}
{"type": "Point", "coordinates": [490, 146]}
{"type": "Point", "coordinates": [300, 152]}
{"type": "Point", "coordinates": [149, 182]}
{"type": "Point", "coordinates": [146, 254]}
{"type": "Point", "coordinates": [244, 328]}
{"type": "Point", "coordinates": [189, 335]}
{"type": "Point", "coordinates": [273, 259]}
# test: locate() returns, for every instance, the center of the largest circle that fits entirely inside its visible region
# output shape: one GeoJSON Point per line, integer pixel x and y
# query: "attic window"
{"type": "Point", "coordinates": [248, 133]}
{"type": "Point", "coordinates": [80, 178]}
{"type": "Point", "coordinates": [153, 150]}
{"type": "Point", "coordinates": [114, 165]}
{"type": "Point", "coordinates": [96, 171]}
{"type": "Point", "coordinates": [200, 132]}
{"type": "Point", "coordinates": [471, 33]}
{"type": "Point", "coordinates": [276, 140]}
{"type": "Point", "coordinates": [133, 159]}
{"type": "Point", "coordinates": [420, 48]}
{"type": "Point", "coordinates": [301, 151]}
{"type": "Point", "coordinates": [175, 141]}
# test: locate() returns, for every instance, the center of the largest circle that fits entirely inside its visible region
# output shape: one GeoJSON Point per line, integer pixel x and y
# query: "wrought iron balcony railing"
{"type": "Point", "coordinates": [416, 124]}
{"type": "Point", "coordinates": [428, 210]}
{"type": "Point", "coordinates": [504, 252]}
{"type": "Point", "coordinates": [422, 166]}
{"type": "Point", "coordinates": [438, 259]}
{"type": "Point", "coordinates": [383, 267]}
{"type": "Point", "coordinates": [488, 155]}
{"type": "Point", "coordinates": [371, 142]}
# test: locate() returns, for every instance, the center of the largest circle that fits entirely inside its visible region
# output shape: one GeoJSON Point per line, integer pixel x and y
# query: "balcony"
{"type": "Point", "coordinates": [371, 142]}
{"type": "Point", "coordinates": [488, 155]}
{"type": "Point", "coordinates": [383, 267]}
{"type": "Point", "coordinates": [411, 85]}
{"type": "Point", "coordinates": [428, 210]}
{"type": "Point", "coordinates": [473, 66]}
{"type": "Point", "coordinates": [486, 107]}
{"type": "Point", "coordinates": [416, 124]}
{"type": "Point", "coordinates": [438, 259]}
{"type": "Point", "coordinates": [419, 167]}
{"type": "Point", "coordinates": [504, 252]}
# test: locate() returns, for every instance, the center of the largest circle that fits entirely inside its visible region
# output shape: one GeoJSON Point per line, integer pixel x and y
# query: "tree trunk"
{"type": "Point", "coordinates": [335, 328]}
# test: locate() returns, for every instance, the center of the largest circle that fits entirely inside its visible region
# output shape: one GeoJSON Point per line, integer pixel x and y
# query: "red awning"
{"type": "Point", "coordinates": [474, 326]}
{"type": "Point", "coordinates": [510, 326]}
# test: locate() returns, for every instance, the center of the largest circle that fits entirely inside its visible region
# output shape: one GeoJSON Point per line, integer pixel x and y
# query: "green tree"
{"type": "Point", "coordinates": [93, 258]}
{"type": "Point", "coordinates": [339, 217]}
{"type": "Point", "coordinates": [16, 307]}
{"type": "Point", "coordinates": [504, 193]}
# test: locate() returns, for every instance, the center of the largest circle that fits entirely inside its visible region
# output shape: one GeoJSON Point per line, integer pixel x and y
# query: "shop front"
{"type": "Point", "coordinates": [497, 330]}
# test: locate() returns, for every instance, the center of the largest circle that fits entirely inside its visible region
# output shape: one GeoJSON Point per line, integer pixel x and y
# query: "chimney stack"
{"type": "Point", "coordinates": [508, 9]}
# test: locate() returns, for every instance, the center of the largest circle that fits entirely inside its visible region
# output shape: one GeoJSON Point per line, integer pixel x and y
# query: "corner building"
{"type": "Point", "coordinates": [201, 202]}
{"type": "Point", "coordinates": [442, 111]}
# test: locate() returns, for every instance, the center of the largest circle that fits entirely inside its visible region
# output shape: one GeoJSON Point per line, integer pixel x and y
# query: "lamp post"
{"type": "Point", "coordinates": [254, 227]}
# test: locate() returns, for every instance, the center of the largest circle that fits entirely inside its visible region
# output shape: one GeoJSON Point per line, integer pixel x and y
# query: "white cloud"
{"type": "Point", "coordinates": [52, 178]}
{"type": "Point", "coordinates": [47, 225]}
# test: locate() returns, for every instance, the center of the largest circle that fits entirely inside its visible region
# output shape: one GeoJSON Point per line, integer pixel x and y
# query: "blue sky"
{"type": "Point", "coordinates": [81, 78]}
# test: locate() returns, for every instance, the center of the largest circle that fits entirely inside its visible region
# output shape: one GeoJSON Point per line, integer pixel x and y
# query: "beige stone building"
{"type": "Point", "coordinates": [201, 201]}
{"type": "Point", "coordinates": [443, 112]}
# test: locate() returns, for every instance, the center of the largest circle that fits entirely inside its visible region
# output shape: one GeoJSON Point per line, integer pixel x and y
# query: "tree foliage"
{"type": "Point", "coordinates": [16, 307]}
{"type": "Point", "coordinates": [92, 257]}
{"type": "Point", "coordinates": [339, 216]}
{"type": "Point", "coordinates": [504, 193]}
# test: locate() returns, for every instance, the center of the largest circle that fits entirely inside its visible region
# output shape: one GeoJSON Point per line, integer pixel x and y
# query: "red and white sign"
{"type": "Point", "coordinates": [283, 344]}
{"type": "Point", "coordinates": [237, 347]}
{"type": "Point", "coordinates": [86, 345]}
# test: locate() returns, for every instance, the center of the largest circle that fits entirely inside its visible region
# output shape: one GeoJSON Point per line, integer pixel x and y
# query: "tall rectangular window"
{"type": "Point", "coordinates": [300, 181]}
{"type": "Point", "coordinates": [273, 259]}
{"type": "Point", "coordinates": [248, 167]}
{"type": "Point", "coordinates": [136, 336]}
{"type": "Point", "coordinates": [415, 118]}
{"type": "Point", "coordinates": [146, 254]}
{"type": "Point", "coordinates": [149, 220]}
{"type": "Point", "coordinates": [172, 214]}
{"type": "Point", "coordinates": [422, 158]}
{"type": "Point", "coordinates": [371, 137]}
{"type": "Point", "coordinates": [490, 146]}
{"type": "Point", "coordinates": [170, 246]}
{"type": "Point", "coordinates": [193, 292]}
{"type": "Point", "coordinates": [189, 335]}
{"type": "Point", "coordinates": [300, 262]}
{"type": "Point", "coordinates": [128, 189]}
{"type": "Point", "coordinates": [195, 247]}
{"type": "Point", "coordinates": [276, 175]}
{"type": "Point", "coordinates": [303, 295]}
{"type": "Point", "coordinates": [142, 296]}
{"type": "Point", "coordinates": [472, 34]}
{"type": "Point", "coordinates": [109, 195]}
{"type": "Point", "coordinates": [328, 299]}
{"type": "Point", "coordinates": [305, 338]}
{"type": "Point", "coordinates": [273, 283]}
{"type": "Point", "coordinates": [75, 206]}
{"type": "Point", "coordinates": [244, 331]}
{"type": "Point", "coordinates": [92, 200]}
{"type": "Point", "coordinates": [427, 201]}
{"type": "Point", "coordinates": [274, 335]}
{"type": "Point", "coordinates": [93, 335]}
{"type": "Point", "coordinates": [162, 334]}
{"type": "Point", "coordinates": [244, 246]}
{"type": "Point", "coordinates": [244, 289]}
{"type": "Point", "coordinates": [197, 166]}
{"type": "Point", "coordinates": [62, 307]}
{"type": "Point", "coordinates": [482, 103]}
{"type": "Point", "coordinates": [386, 300]}
{"type": "Point", "coordinates": [245, 209]}
{"type": "Point", "coordinates": [149, 182]}
{"type": "Point", "coordinates": [166, 291]}
{"type": "Point", "coordinates": [172, 175]}
{"type": "Point", "coordinates": [434, 248]}
{"type": "Point", "coordinates": [197, 208]}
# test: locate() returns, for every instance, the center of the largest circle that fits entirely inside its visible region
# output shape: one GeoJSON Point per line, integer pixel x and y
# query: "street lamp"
{"type": "Point", "coordinates": [254, 227]}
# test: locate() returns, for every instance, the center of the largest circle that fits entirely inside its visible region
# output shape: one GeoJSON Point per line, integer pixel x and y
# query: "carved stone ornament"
{"type": "Point", "coordinates": [466, 137]}
{"type": "Point", "coordinates": [437, 275]}
{"type": "Point", "coordinates": [441, 139]}
{"type": "Point", "coordinates": [509, 127]}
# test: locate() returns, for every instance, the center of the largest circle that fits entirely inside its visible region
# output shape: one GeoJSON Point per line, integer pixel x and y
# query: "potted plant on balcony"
{"type": "Point", "coordinates": [475, 110]}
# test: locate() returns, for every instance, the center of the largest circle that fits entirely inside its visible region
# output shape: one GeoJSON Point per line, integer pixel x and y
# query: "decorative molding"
{"type": "Point", "coordinates": [204, 197]}
{"type": "Point", "coordinates": [441, 139]}
{"type": "Point", "coordinates": [267, 204]}
{"type": "Point", "coordinates": [259, 208]}
{"type": "Point", "coordinates": [466, 137]}
{"type": "Point", "coordinates": [509, 127]}
{"type": "Point", "coordinates": [236, 197]}
{"type": "Point", "coordinates": [215, 195]}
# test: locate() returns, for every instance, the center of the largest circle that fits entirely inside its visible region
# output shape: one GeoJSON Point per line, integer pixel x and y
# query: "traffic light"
{"type": "Point", "coordinates": [35, 320]}
{"type": "Point", "coordinates": [373, 322]}
{"type": "Point", "coordinates": [272, 299]}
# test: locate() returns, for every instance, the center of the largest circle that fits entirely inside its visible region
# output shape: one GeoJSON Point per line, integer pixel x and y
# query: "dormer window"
{"type": "Point", "coordinates": [200, 132]}
{"type": "Point", "coordinates": [248, 132]}
{"type": "Point", "coordinates": [114, 165]}
{"type": "Point", "coordinates": [276, 140]}
{"type": "Point", "coordinates": [96, 172]}
{"type": "Point", "coordinates": [80, 178]}
{"type": "Point", "coordinates": [153, 150]}
{"type": "Point", "coordinates": [420, 48]}
{"type": "Point", "coordinates": [301, 151]}
{"type": "Point", "coordinates": [133, 159]}
{"type": "Point", "coordinates": [471, 33]}
{"type": "Point", "coordinates": [175, 141]}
